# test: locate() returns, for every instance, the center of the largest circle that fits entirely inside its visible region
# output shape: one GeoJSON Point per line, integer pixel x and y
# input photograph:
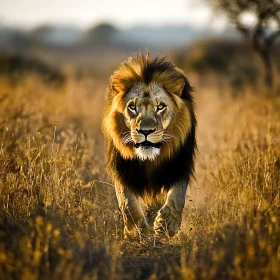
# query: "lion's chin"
{"type": "Point", "coordinates": [147, 153]}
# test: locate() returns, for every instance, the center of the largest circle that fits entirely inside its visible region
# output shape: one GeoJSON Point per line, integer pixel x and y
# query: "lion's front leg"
{"type": "Point", "coordinates": [133, 215]}
{"type": "Point", "coordinates": [169, 217]}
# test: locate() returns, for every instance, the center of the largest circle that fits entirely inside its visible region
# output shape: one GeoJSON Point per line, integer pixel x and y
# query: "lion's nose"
{"type": "Point", "coordinates": [145, 131]}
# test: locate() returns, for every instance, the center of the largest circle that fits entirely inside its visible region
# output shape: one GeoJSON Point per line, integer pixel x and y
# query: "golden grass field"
{"type": "Point", "coordinates": [59, 217]}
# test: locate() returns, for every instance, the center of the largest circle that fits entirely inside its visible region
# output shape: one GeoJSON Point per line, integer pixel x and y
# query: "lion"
{"type": "Point", "coordinates": [149, 129]}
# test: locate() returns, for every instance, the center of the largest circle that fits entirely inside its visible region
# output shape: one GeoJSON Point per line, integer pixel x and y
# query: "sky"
{"type": "Point", "coordinates": [123, 13]}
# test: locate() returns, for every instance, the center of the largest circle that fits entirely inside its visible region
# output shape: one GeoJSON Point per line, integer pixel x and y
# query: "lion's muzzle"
{"type": "Point", "coordinates": [146, 142]}
{"type": "Point", "coordinates": [147, 145]}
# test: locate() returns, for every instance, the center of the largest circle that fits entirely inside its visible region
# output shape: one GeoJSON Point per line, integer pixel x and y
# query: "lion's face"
{"type": "Point", "coordinates": [148, 110]}
{"type": "Point", "coordinates": [148, 113]}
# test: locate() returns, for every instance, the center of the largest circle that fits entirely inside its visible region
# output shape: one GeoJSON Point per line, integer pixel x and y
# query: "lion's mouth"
{"type": "Point", "coordinates": [147, 144]}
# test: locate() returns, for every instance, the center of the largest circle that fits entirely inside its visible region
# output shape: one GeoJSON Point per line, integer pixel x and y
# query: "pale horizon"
{"type": "Point", "coordinates": [123, 13]}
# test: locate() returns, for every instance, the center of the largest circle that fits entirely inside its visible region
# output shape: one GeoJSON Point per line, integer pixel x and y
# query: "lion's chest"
{"type": "Point", "coordinates": [150, 177]}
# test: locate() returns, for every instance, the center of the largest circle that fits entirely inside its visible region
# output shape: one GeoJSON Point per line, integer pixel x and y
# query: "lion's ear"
{"type": "Point", "coordinates": [175, 87]}
{"type": "Point", "coordinates": [122, 85]}
{"type": "Point", "coordinates": [117, 86]}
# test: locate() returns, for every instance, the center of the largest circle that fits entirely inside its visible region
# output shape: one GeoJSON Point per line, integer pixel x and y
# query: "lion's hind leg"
{"type": "Point", "coordinates": [135, 222]}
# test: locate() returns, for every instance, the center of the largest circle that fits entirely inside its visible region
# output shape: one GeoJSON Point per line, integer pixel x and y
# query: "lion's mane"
{"type": "Point", "coordinates": [177, 159]}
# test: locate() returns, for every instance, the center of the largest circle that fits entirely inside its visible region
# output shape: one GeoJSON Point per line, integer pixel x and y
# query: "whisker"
{"type": "Point", "coordinates": [168, 135]}
{"type": "Point", "coordinates": [126, 132]}
{"type": "Point", "coordinates": [127, 139]}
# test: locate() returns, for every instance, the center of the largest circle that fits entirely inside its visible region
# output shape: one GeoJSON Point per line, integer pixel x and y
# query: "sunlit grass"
{"type": "Point", "coordinates": [58, 212]}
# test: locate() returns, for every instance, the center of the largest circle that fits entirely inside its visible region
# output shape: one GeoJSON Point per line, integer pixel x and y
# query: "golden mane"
{"type": "Point", "coordinates": [141, 69]}
{"type": "Point", "coordinates": [171, 169]}
{"type": "Point", "coordinates": [132, 70]}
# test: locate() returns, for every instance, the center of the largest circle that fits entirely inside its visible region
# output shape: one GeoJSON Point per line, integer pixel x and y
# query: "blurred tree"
{"type": "Point", "coordinates": [102, 33]}
{"type": "Point", "coordinates": [259, 23]}
{"type": "Point", "coordinates": [40, 34]}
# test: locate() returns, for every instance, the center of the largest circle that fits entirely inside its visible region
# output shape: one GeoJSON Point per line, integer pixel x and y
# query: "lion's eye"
{"type": "Point", "coordinates": [132, 107]}
{"type": "Point", "coordinates": [160, 107]}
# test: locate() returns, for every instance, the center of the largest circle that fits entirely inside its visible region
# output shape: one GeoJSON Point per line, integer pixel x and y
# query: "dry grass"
{"type": "Point", "coordinates": [59, 217]}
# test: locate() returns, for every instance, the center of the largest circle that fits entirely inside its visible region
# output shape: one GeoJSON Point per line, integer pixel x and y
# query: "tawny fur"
{"type": "Point", "coordinates": [149, 128]}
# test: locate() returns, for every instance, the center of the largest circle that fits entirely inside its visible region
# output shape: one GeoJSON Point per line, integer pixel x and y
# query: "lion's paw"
{"type": "Point", "coordinates": [167, 221]}
{"type": "Point", "coordinates": [136, 231]}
